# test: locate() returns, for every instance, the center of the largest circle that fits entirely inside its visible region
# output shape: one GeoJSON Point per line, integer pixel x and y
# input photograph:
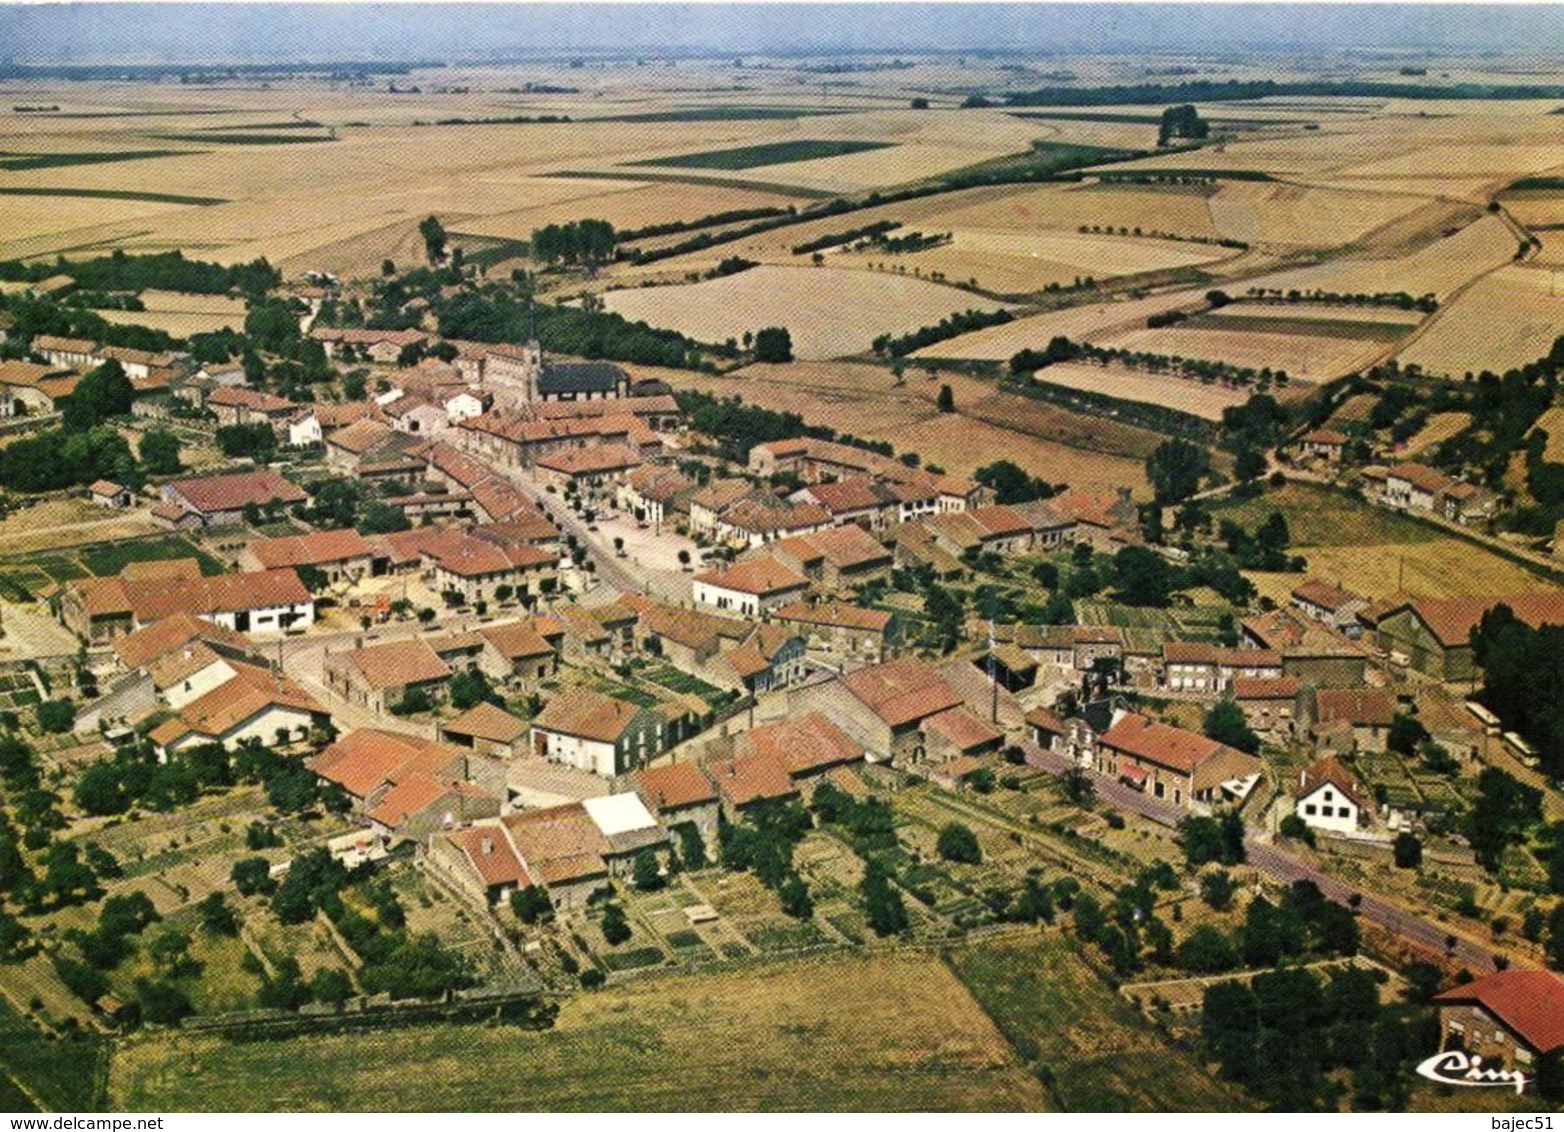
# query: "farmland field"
{"type": "Point", "coordinates": [1439, 268]}
{"type": "Point", "coordinates": [1099, 1055]}
{"type": "Point", "coordinates": [1310, 357]}
{"type": "Point", "coordinates": [773, 153]}
{"type": "Point", "coordinates": [183, 315]}
{"type": "Point", "coordinates": [874, 1033]}
{"type": "Point", "coordinates": [862, 400]}
{"type": "Point", "coordinates": [1505, 319]}
{"type": "Point", "coordinates": [829, 312]}
{"type": "Point", "coordinates": [1088, 322]}
{"type": "Point", "coordinates": [1184, 394]}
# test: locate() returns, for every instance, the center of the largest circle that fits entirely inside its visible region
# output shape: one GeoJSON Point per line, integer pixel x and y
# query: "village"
{"type": "Point", "coordinates": [836, 580]}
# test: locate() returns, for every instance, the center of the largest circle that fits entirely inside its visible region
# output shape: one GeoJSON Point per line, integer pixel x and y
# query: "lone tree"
{"type": "Point", "coordinates": [433, 233]}
{"type": "Point", "coordinates": [1225, 723]}
{"type": "Point", "coordinates": [958, 843]}
{"type": "Point", "coordinates": [159, 452]}
{"type": "Point", "coordinates": [947, 400]}
{"type": "Point", "coordinates": [773, 344]}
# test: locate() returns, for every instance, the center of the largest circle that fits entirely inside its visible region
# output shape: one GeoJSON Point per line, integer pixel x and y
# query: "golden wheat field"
{"type": "Point", "coordinates": [830, 312]}
{"type": "Point", "coordinates": [1309, 357]}
{"type": "Point", "coordinates": [1184, 394]}
{"type": "Point", "coordinates": [865, 401]}
{"type": "Point", "coordinates": [1505, 319]}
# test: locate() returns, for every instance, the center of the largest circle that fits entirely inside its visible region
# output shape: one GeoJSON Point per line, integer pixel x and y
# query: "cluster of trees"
{"type": "Point", "coordinates": [159, 998]}
{"type": "Point", "coordinates": [905, 244]}
{"type": "Point", "coordinates": [833, 239]}
{"type": "Point", "coordinates": [342, 502]}
{"type": "Point", "coordinates": [589, 242]}
{"type": "Point", "coordinates": [1176, 469]}
{"type": "Point", "coordinates": [39, 314]}
{"type": "Point", "coordinates": [496, 314]}
{"type": "Point", "coordinates": [1265, 549]}
{"type": "Point", "coordinates": [1127, 928]}
{"type": "Point", "coordinates": [162, 271]}
{"type": "Point", "coordinates": [1182, 122]}
{"type": "Point", "coordinates": [134, 777]}
{"type": "Point", "coordinates": [899, 346]}
{"type": "Point", "coordinates": [712, 220]}
{"type": "Point", "coordinates": [1398, 300]}
{"type": "Point", "coordinates": [763, 844]}
{"type": "Point", "coordinates": [1523, 680]}
{"type": "Point", "coordinates": [1285, 1035]}
{"type": "Point", "coordinates": [773, 344]}
{"type": "Point", "coordinates": [396, 962]}
{"type": "Point", "coordinates": [1244, 90]}
{"type": "Point", "coordinates": [1204, 370]}
{"type": "Point", "coordinates": [1011, 483]}
{"type": "Point", "coordinates": [868, 825]}
{"type": "Point", "coordinates": [59, 458]}
{"type": "Point", "coordinates": [1158, 234]}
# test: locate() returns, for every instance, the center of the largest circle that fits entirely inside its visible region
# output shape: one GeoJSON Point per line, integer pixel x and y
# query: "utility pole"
{"type": "Point", "coordinates": [993, 678]}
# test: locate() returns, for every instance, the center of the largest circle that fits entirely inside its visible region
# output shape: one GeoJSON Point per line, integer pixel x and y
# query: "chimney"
{"type": "Point", "coordinates": [487, 846]}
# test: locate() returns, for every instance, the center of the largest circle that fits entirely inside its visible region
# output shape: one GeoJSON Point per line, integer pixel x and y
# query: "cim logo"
{"type": "Point", "coordinates": [1455, 1067]}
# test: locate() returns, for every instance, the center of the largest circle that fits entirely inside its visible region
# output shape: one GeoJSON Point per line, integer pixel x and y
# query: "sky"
{"type": "Point", "coordinates": [242, 32]}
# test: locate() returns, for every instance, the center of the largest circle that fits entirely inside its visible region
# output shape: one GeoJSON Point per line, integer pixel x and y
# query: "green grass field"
{"type": "Point", "coordinates": [107, 560]}
{"type": "Point", "coordinates": [17, 162]}
{"type": "Point", "coordinates": [248, 139]}
{"type": "Point", "coordinates": [872, 1033]}
{"type": "Point", "coordinates": [37, 1072]}
{"type": "Point", "coordinates": [1306, 327]}
{"type": "Point", "coordinates": [1321, 517]}
{"type": "Point", "coordinates": [108, 194]}
{"type": "Point", "coordinates": [1089, 1046]}
{"type": "Point", "coordinates": [772, 153]}
{"type": "Point", "coordinates": [720, 114]}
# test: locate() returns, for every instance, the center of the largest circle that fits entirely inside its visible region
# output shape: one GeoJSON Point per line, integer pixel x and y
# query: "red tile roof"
{"type": "Point", "coordinates": [961, 729]}
{"type": "Point", "coordinates": [416, 793]}
{"type": "Point", "coordinates": [366, 758]}
{"type": "Point", "coordinates": [752, 778]}
{"type": "Point", "coordinates": [674, 786]}
{"type": "Point", "coordinates": [231, 492]}
{"type": "Point", "coordinates": [1529, 1003]}
{"type": "Point", "coordinates": [395, 664]}
{"type": "Point", "coordinates": [760, 576]}
{"type": "Point", "coordinates": [1368, 707]}
{"type": "Point", "coordinates": [313, 549]}
{"type": "Point", "coordinates": [1452, 619]}
{"type": "Point", "coordinates": [588, 714]}
{"type": "Point", "coordinates": [559, 844]}
{"type": "Point", "coordinates": [486, 721]}
{"type": "Point", "coordinates": [1419, 476]}
{"type": "Point", "coordinates": [1329, 770]}
{"type": "Point", "coordinates": [516, 640]}
{"type": "Point", "coordinates": [1047, 720]}
{"type": "Point", "coordinates": [1265, 688]}
{"type": "Point", "coordinates": [804, 744]}
{"type": "Point", "coordinates": [170, 633]}
{"type": "Point", "coordinates": [249, 691]}
{"type": "Point", "coordinates": [1325, 595]}
{"type": "Point", "coordinates": [901, 691]}
{"type": "Point", "coordinates": [1160, 743]}
{"type": "Point", "coordinates": [489, 851]}
{"type": "Point", "coordinates": [835, 614]}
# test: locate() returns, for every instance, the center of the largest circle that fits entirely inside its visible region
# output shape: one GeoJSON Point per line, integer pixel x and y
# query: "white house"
{"type": "Point", "coordinates": [595, 732]}
{"type": "Point", "coordinates": [750, 588]}
{"type": "Point", "coordinates": [1331, 798]}
{"type": "Point", "coordinates": [305, 430]}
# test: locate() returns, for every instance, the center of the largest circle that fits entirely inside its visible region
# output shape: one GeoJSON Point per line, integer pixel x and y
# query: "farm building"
{"type": "Point", "coordinates": [902, 710]}
{"type": "Point", "coordinates": [1511, 1018]}
{"type": "Point", "coordinates": [380, 676]}
{"type": "Point", "coordinates": [841, 632]}
{"type": "Point", "coordinates": [1177, 765]}
{"type": "Point", "coordinates": [252, 704]}
{"type": "Point", "coordinates": [680, 794]}
{"type": "Point", "coordinates": [1434, 636]}
{"type": "Point", "coordinates": [750, 588]}
{"type": "Point", "coordinates": [598, 733]}
{"type": "Point", "coordinates": [342, 556]}
{"type": "Point", "coordinates": [262, 601]}
{"type": "Point", "coordinates": [220, 501]}
{"type": "Point", "coordinates": [488, 729]}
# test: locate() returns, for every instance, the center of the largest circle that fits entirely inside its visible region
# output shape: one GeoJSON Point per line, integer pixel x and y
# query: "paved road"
{"type": "Point", "coordinates": [1283, 866]}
